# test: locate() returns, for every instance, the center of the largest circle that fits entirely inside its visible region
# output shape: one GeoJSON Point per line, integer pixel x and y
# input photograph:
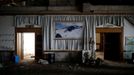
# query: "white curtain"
{"type": "Point", "coordinates": [89, 33]}
{"type": "Point", "coordinates": [50, 43]}
{"type": "Point", "coordinates": [22, 20]}
{"type": "Point", "coordinates": [90, 23]}
{"type": "Point", "coordinates": [130, 18]}
{"type": "Point", "coordinates": [109, 19]}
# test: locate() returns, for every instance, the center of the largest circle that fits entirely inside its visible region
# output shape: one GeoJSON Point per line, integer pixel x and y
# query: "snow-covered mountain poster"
{"type": "Point", "coordinates": [69, 30]}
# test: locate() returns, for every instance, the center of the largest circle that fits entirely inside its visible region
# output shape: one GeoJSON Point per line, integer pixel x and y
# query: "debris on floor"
{"type": "Point", "coordinates": [95, 62]}
{"type": "Point", "coordinates": [25, 62]}
{"type": "Point", "coordinates": [42, 61]}
{"type": "Point", "coordinates": [22, 67]}
{"type": "Point", "coordinates": [61, 68]}
{"type": "Point", "coordinates": [98, 61]}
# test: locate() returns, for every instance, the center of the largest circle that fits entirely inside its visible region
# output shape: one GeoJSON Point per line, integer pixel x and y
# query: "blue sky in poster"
{"type": "Point", "coordinates": [68, 29]}
{"type": "Point", "coordinates": [59, 25]}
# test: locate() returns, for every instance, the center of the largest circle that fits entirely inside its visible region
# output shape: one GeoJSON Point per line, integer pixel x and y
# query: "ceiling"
{"type": "Point", "coordinates": [111, 2]}
{"type": "Point", "coordinates": [68, 2]}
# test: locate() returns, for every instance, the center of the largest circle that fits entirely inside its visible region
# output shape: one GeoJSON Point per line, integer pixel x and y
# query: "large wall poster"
{"type": "Point", "coordinates": [69, 30]}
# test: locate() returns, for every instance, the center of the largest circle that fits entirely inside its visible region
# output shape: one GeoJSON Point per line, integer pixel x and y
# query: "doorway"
{"type": "Point", "coordinates": [112, 46]}
{"type": "Point", "coordinates": [109, 44]}
{"type": "Point", "coordinates": [29, 44]}
{"type": "Point", "coordinates": [26, 45]}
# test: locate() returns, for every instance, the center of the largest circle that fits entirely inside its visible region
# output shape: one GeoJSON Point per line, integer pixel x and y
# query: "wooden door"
{"type": "Point", "coordinates": [38, 45]}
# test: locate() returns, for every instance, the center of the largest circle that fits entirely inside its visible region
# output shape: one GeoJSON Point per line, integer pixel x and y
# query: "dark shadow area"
{"type": "Point", "coordinates": [67, 69]}
{"type": "Point", "coordinates": [74, 57]}
{"type": "Point", "coordinates": [110, 2]}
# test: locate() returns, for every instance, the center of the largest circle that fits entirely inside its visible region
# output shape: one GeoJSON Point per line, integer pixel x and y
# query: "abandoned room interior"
{"type": "Point", "coordinates": [66, 31]}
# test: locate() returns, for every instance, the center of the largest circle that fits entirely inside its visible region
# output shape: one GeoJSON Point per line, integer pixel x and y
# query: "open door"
{"type": "Point", "coordinates": [38, 46]}
{"type": "Point", "coordinates": [99, 46]}
{"type": "Point", "coordinates": [19, 45]}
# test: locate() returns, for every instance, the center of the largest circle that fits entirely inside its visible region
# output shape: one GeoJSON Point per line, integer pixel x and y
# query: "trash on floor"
{"type": "Point", "coordinates": [41, 61]}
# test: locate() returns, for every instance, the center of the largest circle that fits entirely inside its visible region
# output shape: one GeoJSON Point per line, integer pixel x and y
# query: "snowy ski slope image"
{"type": "Point", "coordinates": [69, 30]}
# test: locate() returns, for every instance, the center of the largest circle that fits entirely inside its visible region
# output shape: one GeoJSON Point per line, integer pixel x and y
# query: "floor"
{"type": "Point", "coordinates": [100, 55]}
{"type": "Point", "coordinates": [107, 67]}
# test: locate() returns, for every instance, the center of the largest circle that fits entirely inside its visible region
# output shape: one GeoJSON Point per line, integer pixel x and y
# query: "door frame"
{"type": "Point", "coordinates": [23, 30]}
{"type": "Point", "coordinates": [113, 30]}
